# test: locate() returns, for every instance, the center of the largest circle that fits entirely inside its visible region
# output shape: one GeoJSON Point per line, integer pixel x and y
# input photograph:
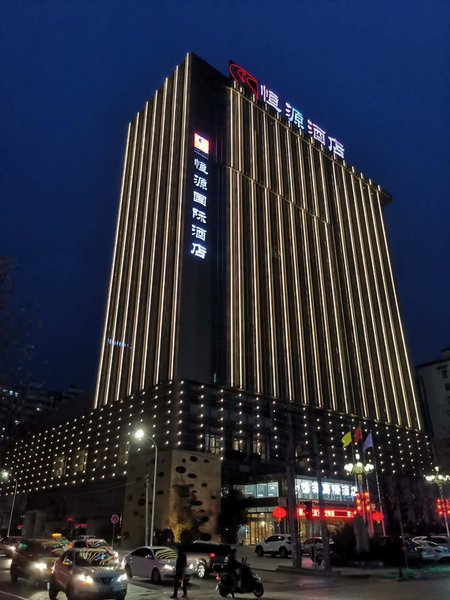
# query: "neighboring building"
{"type": "Point", "coordinates": [251, 296]}
{"type": "Point", "coordinates": [434, 385]}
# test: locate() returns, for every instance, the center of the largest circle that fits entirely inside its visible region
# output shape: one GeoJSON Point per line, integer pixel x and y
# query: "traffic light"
{"type": "Point", "coordinates": [308, 509]}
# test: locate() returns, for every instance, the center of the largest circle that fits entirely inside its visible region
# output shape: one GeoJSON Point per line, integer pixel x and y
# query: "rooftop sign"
{"type": "Point", "coordinates": [293, 114]}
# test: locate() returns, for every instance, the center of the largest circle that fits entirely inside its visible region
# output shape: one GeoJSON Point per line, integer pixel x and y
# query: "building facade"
{"type": "Point", "coordinates": [251, 312]}
{"type": "Point", "coordinates": [433, 380]}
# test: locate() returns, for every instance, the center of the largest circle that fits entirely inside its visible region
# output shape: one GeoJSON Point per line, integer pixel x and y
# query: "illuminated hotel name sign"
{"type": "Point", "coordinates": [292, 114]}
{"type": "Point", "coordinates": [199, 220]}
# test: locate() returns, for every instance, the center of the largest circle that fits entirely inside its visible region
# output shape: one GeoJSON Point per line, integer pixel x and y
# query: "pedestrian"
{"type": "Point", "coordinates": [180, 574]}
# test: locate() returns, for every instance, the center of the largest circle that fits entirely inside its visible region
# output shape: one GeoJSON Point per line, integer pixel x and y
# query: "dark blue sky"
{"type": "Point", "coordinates": [73, 74]}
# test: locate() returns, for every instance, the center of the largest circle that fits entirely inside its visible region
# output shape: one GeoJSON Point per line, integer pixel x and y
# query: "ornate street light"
{"type": "Point", "coordinates": [359, 469]}
{"type": "Point", "coordinates": [140, 435]}
{"type": "Point", "coordinates": [6, 475]}
{"type": "Point", "coordinates": [440, 480]}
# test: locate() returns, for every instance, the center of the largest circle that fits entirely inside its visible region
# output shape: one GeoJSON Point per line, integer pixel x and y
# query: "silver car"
{"type": "Point", "coordinates": [156, 563]}
{"type": "Point", "coordinates": [85, 573]}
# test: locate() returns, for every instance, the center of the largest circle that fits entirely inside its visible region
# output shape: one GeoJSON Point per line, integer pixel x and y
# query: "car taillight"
{"type": "Point", "coordinates": [212, 555]}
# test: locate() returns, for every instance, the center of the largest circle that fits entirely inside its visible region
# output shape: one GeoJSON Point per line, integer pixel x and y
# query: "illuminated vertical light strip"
{"type": "Point", "coordinates": [298, 301]}
{"type": "Point", "coordinates": [163, 309]}
{"type": "Point", "coordinates": [310, 291]}
{"type": "Point", "coordinates": [286, 320]}
{"type": "Point", "coordinates": [239, 235]}
{"type": "Point", "coordinates": [150, 306]}
{"type": "Point", "coordinates": [360, 294]}
{"type": "Point", "coordinates": [388, 304]}
{"type": "Point", "coordinates": [254, 259]}
{"type": "Point", "coordinates": [366, 283]}
{"type": "Point", "coordinates": [122, 259]}
{"type": "Point", "coordinates": [136, 308]}
{"type": "Point", "coordinates": [149, 161]}
{"type": "Point", "coordinates": [269, 286]}
{"type": "Point", "coordinates": [231, 241]}
{"type": "Point", "coordinates": [111, 279]}
{"type": "Point", "coordinates": [178, 249]}
{"type": "Point", "coordinates": [342, 367]}
{"type": "Point", "coordinates": [137, 201]}
{"type": "Point", "coordinates": [322, 293]}
{"type": "Point", "coordinates": [378, 343]}
{"type": "Point", "coordinates": [349, 284]}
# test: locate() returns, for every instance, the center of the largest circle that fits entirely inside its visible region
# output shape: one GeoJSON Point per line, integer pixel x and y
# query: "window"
{"type": "Point", "coordinates": [238, 445]}
{"type": "Point", "coordinates": [79, 461]}
{"type": "Point", "coordinates": [212, 443]}
{"type": "Point", "coordinates": [59, 465]}
{"type": "Point", "coordinates": [124, 448]}
{"type": "Point", "coordinates": [259, 447]}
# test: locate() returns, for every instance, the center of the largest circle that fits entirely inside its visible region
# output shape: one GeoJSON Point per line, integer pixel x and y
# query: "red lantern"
{"type": "Point", "coordinates": [279, 512]}
{"type": "Point", "coordinates": [377, 516]}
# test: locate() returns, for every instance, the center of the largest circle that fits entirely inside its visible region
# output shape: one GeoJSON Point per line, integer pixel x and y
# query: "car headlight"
{"type": "Point", "coordinates": [85, 578]}
{"type": "Point", "coordinates": [41, 566]}
{"type": "Point", "coordinates": [122, 577]}
{"type": "Point", "coordinates": [168, 568]}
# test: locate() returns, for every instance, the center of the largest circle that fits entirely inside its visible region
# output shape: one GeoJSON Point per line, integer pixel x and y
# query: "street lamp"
{"type": "Point", "coordinates": [359, 469]}
{"type": "Point", "coordinates": [440, 480]}
{"type": "Point", "coordinates": [140, 435]}
{"type": "Point", "coordinates": [6, 475]}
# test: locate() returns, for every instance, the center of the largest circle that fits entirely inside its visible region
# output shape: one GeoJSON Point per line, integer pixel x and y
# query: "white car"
{"type": "Point", "coordinates": [440, 553]}
{"type": "Point", "coordinates": [275, 544]}
{"type": "Point", "coordinates": [156, 563]}
{"type": "Point", "coordinates": [88, 573]}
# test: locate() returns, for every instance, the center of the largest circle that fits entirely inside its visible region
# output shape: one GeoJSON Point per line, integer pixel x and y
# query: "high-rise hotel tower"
{"type": "Point", "coordinates": [249, 254]}
{"type": "Point", "coordinates": [251, 318]}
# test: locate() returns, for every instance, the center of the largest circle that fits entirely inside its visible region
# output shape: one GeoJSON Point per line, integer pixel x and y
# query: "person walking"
{"type": "Point", "coordinates": [180, 574]}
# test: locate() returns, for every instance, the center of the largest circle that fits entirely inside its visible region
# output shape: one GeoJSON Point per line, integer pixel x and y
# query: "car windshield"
{"type": "Point", "coordinates": [95, 558]}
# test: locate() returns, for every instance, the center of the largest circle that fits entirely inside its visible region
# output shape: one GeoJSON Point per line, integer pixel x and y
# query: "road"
{"type": "Point", "coordinates": [278, 586]}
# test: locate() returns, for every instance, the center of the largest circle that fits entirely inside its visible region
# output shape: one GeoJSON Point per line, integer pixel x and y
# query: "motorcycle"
{"type": "Point", "coordinates": [242, 581]}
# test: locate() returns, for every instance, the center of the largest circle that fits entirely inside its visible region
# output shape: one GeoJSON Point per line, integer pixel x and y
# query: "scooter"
{"type": "Point", "coordinates": [243, 581]}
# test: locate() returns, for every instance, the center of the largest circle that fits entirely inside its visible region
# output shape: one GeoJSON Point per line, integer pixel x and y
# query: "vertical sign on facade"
{"type": "Point", "coordinates": [199, 216]}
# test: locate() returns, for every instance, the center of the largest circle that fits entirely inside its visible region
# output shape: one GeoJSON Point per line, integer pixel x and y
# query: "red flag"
{"type": "Point", "coordinates": [358, 435]}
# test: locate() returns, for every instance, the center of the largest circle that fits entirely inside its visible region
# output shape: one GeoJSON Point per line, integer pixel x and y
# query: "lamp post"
{"type": "Point", "coordinates": [440, 480]}
{"type": "Point", "coordinates": [140, 435]}
{"type": "Point", "coordinates": [7, 475]}
{"type": "Point", "coordinates": [359, 469]}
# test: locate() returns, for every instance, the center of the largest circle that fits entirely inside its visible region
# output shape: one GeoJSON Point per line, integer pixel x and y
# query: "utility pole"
{"type": "Point", "coordinates": [292, 498]}
{"type": "Point", "coordinates": [323, 525]}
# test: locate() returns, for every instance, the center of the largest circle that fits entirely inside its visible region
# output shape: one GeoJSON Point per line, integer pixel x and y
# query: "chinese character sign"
{"type": "Point", "coordinates": [291, 113]}
{"type": "Point", "coordinates": [199, 212]}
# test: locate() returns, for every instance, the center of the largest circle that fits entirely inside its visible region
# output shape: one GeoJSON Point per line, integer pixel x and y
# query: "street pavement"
{"type": "Point", "coordinates": [278, 586]}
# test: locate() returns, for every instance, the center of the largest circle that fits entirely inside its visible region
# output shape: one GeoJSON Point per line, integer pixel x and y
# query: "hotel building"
{"type": "Point", "coordinates": [251, 287]}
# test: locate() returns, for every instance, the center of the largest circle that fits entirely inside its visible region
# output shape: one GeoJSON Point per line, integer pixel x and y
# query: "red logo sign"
{"type": "Point", "coordinates": [244, 78]}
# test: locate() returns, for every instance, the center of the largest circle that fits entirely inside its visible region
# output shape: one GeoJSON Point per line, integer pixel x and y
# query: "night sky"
{"type": "Point", "coordinates": [73, 74]}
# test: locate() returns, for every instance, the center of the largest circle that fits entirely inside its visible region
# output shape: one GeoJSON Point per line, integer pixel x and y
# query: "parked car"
{"type": "Point", "coordinates": [85, 537]}
{"type": "Point", "coordinates": [8, 545]}
{"type": "Point", "coordinates": [34, 559]}
{"type": "Point", "coordinates": [204, 555]}
{"type": "Point", "coordinates": [310, 544]}
{"type": "Point", "coordinates": [442, 540]}
{"type": "Point", "coordinates": [156, 563]}
{"type": "Point", "coordinates": [88, 573]}
{"type": "Point", "coordinates": [440, 553]}
{"type": "Point", "coordinates": [275, 544]}
{"type": "Point", "coordinates": [391, 549]}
